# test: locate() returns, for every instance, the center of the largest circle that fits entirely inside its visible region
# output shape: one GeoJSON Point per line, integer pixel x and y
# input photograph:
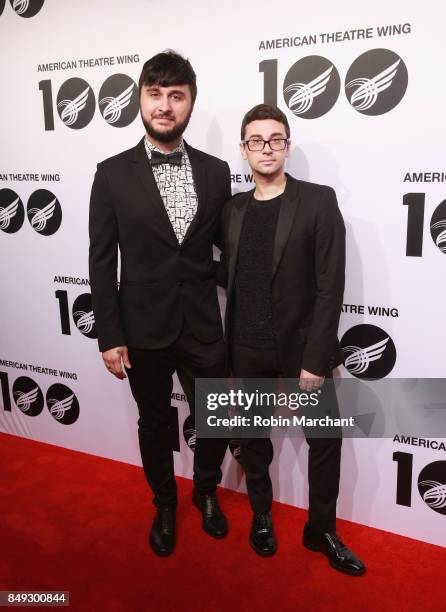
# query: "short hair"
{"type": "Point", "coordinates": [166, 69]}
{"type": "Point", "coordinates": [265, 111]}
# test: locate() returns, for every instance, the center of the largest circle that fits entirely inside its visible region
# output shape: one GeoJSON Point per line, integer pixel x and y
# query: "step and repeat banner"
{"type": "Point", "coordinates": [364, 93]}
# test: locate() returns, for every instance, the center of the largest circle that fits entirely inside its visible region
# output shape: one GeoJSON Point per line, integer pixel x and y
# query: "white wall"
{"type": "Point", "coordinates": [365, 158]}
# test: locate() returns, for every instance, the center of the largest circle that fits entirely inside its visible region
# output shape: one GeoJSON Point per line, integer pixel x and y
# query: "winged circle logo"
{"type": "Point", "coordinates": [83, 315]}
{"type": "Point", "coordinates": [369, 352]}
{"type": "Point", "coordinates": [376, 82]}
{"type": "Point", "coordinates": [62, 404]}
{"type": "Point", "coordinates": [24, 400]}
{"type": "Point", "coordinates": [118, 100]}
{"type": "Point", "coordinates": [28, 396]}
{"type": "Point", "coordinates": [311, 87]}
{"type": "Point", "coordinates": [70, 109]}
{"type": "Point", "coordinates": [44, 212]}
{"type": "Point", "coordinates": [76, 103]}
{"type": "Point", "coordinates": [41, 215]}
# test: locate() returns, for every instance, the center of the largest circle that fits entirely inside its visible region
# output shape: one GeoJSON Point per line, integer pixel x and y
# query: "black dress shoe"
{"type": "Point", "coordinates": [262, 537]}
{"type": "Point", "coordinates": [162, 534]}
{"type": "Point", "coordinates": [214, 521]}
{"type": "Point", "coordinates": [340, 557]}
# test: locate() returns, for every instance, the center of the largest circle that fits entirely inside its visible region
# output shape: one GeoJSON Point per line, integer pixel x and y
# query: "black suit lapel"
{"type": "Point", "coordinates": [288, 206]}
{"type": "Point", "coordinates": [234, 230]}
{"type": "Point", "coordinates": [144, 173]}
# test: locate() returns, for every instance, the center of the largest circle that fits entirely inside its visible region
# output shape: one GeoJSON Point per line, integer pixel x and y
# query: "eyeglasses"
{"type": "Point", "coordinates": [258, 144]}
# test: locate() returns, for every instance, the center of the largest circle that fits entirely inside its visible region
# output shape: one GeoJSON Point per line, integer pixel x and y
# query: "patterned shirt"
{"type": "Point", "coordinates": [177, 189]}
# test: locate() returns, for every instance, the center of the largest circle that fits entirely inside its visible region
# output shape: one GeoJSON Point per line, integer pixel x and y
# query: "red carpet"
{"type": "Point", "coordinates": [79, 523]}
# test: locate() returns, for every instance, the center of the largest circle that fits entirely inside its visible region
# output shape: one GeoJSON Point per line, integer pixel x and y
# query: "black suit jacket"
{"type": "Point", "coordinates": [307, 276]}
{"type": "Point", "coordinates": [160, 281]}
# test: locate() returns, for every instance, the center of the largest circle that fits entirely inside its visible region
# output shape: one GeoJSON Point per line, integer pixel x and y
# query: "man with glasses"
{"type": "Point", "coordinates": [284, 253]}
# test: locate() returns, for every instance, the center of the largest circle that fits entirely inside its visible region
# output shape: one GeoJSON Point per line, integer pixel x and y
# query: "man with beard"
{"type": "Point", "coordinates": [160, 202]}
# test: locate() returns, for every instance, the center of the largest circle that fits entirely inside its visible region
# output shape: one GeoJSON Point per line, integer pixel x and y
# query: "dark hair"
{"type": "Point", "coordinates": [166, 69]}
{"type": "Point", "coordinates": [265, 111]}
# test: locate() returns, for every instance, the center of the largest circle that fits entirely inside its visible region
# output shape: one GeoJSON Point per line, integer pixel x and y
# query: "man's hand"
{"type": "Point", "coordinates": [310, 382]}
{"type": "Point", "coordinates": [112, 359]}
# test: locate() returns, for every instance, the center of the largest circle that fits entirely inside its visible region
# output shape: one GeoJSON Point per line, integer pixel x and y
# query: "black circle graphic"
{"type": "Point", "coordinates": [190, 432]}
{"type": "Point", "coordinates": [118, 100]}
{"type": "Point", "coordinates": [2, 6]}
{"type": "Point", "coordinates": [44, 212]}
{"type": "Point", "coordinates": [62, 404]}
{"type": "Point", "coordinates": [369, 352]}
{"type": "Point", "coordinates": [26, 8]}
{"type": "Point", "coordinates": [376, 82]}
{"type": "Point", "coordinates": [27, 396]}
{"type": "Point", "coordinates": [83, 315]}
{"type": "Point", "coordinates": [76, 103]}
{"type": "Point", "coordinates": [432, 486]}
{"type": "Point", "coordinates": [438, 226]}
{"type": "Point", "coordinates": [12, 211]}
{"type": "Point", "coordinates": [311, 87]}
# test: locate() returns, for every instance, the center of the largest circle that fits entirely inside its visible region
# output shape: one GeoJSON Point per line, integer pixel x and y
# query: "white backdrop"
{"type": "Point", "coordinates": [368, 158]}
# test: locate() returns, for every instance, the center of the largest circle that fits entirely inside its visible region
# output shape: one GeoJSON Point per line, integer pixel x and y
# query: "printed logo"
{"type": "Point", "coordinates": [26, 8]}
{"type": "Point", "coordinates": [369, 352]}
{"type": "Point", "coordinates": [28, 396]}
{"type": "Point", "coordinates": [118, 100]}
{"type": "Point", "coordinates": [311, 87]}
{"type": "Point", "coordinates": [83, 315]}
{"type": "Point", "coordinates": [44, 212]}
{"type": "Point", "coordinates": [76, 103]}
{"type": "Point", "coordinates": [62, 404]}
{"type": "Point", "coordinates": [12, 212]}
{"type": "Point", "coordinates": [432, 486]}
{"type": "Point", "coordinates": [438, 226]}
{"type": "Point", "coordinates": [376, 82]}
{"type": "Point", "coordinates": [190, 432]}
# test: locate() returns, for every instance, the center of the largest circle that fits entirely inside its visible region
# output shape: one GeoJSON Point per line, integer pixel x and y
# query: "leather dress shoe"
{"type": "Point", "coordinates": [214, 521]}
{"type": "Point", "coordinates": [262, 538]}
{"type": "Point", "coordinates": [339, 556]}
{"type": "Point", "coordinates": [162, 533]}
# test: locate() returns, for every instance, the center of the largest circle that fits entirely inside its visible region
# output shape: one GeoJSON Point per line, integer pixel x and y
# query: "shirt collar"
{"type": "Point", "coordinates": [151, 147]}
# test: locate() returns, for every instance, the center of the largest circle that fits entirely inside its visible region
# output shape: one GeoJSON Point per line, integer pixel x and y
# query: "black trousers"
{"type": "Point", "coordinates": [151, 384]}
{"type": "Point", "coordinates": [256, 454]}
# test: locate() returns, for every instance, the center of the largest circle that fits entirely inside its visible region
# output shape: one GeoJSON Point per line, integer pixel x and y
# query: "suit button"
{"type": "Point", "coordinates": [180, 283]}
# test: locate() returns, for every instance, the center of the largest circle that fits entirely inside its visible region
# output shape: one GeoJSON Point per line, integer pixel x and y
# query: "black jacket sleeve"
{"type": "Point", "coordinates": [103, 260]}
{"type": "Point", "coordinates": [329, 262]}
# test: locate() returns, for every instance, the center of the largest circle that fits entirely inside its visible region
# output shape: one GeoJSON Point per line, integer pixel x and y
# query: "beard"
{"type": "Point", "coordinates": [168, 135]}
